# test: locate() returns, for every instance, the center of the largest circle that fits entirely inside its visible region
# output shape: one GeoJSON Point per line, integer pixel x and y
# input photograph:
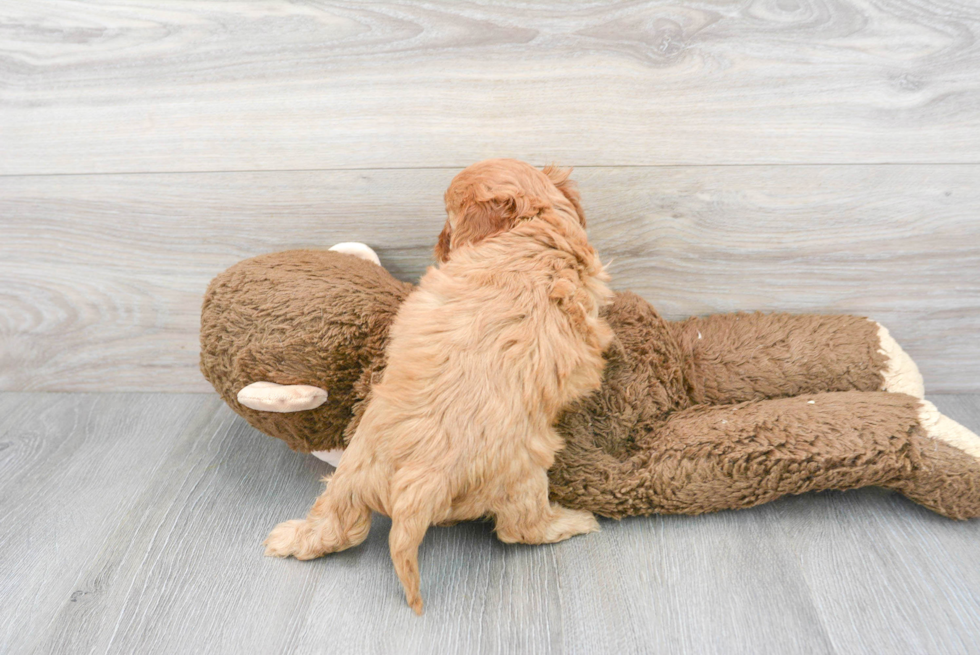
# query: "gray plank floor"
{"type": "Point", "coordinates": [132, 523]}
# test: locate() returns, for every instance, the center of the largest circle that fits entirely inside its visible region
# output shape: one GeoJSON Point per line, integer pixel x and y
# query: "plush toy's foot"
{"type": "Point", "coordinates": [901, 374]}
{"type": "Point", "coordinates": [941, 427]}
{"type": "Point", "coordinates": [358, 250]}
{"type": "Point", "coordinates": [945, 476]}
{"type": "Point", "coordinates": [945, 472]}
{"type": "Point", "coordinates": [283, 398]}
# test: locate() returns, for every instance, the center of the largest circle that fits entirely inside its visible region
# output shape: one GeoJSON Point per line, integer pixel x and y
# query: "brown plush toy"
{"type": "Point", "coordinates": [706, 414]}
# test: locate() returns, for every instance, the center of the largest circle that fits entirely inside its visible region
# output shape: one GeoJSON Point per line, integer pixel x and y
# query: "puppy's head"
{"type": "Point", "coordinates": [493, 196]}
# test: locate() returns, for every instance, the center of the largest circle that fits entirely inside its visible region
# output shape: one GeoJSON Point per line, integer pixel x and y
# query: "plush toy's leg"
{"type": "Point", "coordinates": [711, 458]}
{"type": "Point", "coordinates": [731, 358]}
{"type": "Point", "coordinates": [527, 516]}
{"type": "Point", "coordinates": [337, 521]}
{"type": "Point", "coordinates": [943, 428]}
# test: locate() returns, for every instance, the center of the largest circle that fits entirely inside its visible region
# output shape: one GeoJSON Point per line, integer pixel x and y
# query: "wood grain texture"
{"type": "Point", "coordinates": [795, 155]}
{"type": "Point", "coordinates": [68, 468]}
{"type": "Point", "coordinates": [136, 528]}
{"type": "Point", "coordinates": [133, 86]}
{"type": "Point", "coordinates": [101, 277]}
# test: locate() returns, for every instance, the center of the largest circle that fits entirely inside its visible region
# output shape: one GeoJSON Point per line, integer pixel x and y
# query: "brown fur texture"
{"type": "Point", "coordinates": [482, 357]}
{"type": "Point", "coordinates": [299, 317]}
{"type": "Point", "coordinates": [734, 358]}
{"type": "Point", "coordinates": [634, 445]}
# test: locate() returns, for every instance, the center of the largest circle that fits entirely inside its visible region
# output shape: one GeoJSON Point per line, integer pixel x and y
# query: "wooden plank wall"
{"type": "Point", "coordinates": [799, 155]}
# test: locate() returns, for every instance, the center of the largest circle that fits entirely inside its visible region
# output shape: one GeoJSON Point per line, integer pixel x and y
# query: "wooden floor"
{"type": "Point", "coordinates": [132, 523]}
{"type": "Point", "coordinates": [791, 155]}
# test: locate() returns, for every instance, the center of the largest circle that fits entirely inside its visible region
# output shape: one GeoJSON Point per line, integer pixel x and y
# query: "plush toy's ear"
{"type": "Point", "coordinates": [357, 249]}
{"type": "Point", "coordinates": [568, 188]}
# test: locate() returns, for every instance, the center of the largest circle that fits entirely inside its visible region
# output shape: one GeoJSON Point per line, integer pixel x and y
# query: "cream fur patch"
{"type": "Point", "coordinates": [357, 249]}
{"type": "Point", "coordinates": [272, 397]}
{"type": "Point", "coordinates": [901, 374]}
{"type": "Point", "coordinates": [939, 426]}
{"type": "Point", "coordinates": [331, 457]}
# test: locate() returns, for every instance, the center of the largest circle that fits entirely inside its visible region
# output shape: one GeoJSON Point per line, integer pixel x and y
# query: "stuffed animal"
{"type": "Point", "coordinates": [722, 412]}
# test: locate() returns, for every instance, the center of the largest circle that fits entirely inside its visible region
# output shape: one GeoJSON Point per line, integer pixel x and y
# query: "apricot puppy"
{"type": "Point", "coordinates": [482, 357]}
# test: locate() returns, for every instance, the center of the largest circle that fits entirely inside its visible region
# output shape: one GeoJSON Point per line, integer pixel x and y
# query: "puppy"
{"type": "Point", "coordinates": [482, 357]}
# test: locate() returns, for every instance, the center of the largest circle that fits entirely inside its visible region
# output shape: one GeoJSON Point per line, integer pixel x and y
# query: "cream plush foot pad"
{"type": "Point", "coordinates": [272, 397]}
{"type": "Point", "coordinates": [939, 426]}
{"type": "Point", "coordinates": [901, 374]}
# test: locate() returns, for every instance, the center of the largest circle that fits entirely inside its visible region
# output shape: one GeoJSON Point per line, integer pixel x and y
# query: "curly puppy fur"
{"type": "Point", "coordinates": [483, 356]}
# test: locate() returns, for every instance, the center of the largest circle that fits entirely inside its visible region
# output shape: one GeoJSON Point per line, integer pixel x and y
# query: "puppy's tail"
{"type": "Point", "coordinates": [415, 507]}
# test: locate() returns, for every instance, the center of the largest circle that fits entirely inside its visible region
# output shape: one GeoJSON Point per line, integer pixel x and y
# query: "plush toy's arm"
{"type": "Point", "coordinates": [706, 459]}
{"type": "Point", "coordinates": [737, 357]}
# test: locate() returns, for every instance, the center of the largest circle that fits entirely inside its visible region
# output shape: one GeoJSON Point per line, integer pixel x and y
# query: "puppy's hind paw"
{"type": "Point", "coordinates": [416, 604]}
{"type": "Point", "coordinates": [287, 539]}
{"type": "Point", "coordinates": [570, 522]}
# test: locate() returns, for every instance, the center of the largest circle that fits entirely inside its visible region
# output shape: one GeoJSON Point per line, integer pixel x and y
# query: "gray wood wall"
{"type": "Point", "coordinates": [801, 155]}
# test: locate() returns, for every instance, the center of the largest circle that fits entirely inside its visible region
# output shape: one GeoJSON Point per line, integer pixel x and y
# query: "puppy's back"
{"type": "Point", "coordinates": [488, 328]}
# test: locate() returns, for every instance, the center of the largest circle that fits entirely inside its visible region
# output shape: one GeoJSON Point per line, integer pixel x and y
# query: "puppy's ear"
{"type": "Point", "coordinates": [483, 217]}
{"type": "Point", "coordinates": [568, 188]}
{"type": "Point", "coordinates": [442, 246]}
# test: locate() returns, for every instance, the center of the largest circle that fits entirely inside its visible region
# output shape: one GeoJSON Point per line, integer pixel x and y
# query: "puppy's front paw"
{"type": "Point", "coordinates": [582, 522]}
{"type": "Point", "coordinates": [289, 538]}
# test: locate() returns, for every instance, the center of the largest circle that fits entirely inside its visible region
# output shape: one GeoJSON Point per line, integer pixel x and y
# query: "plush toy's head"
{"type": "Point", "coordinates": [307, 317]}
